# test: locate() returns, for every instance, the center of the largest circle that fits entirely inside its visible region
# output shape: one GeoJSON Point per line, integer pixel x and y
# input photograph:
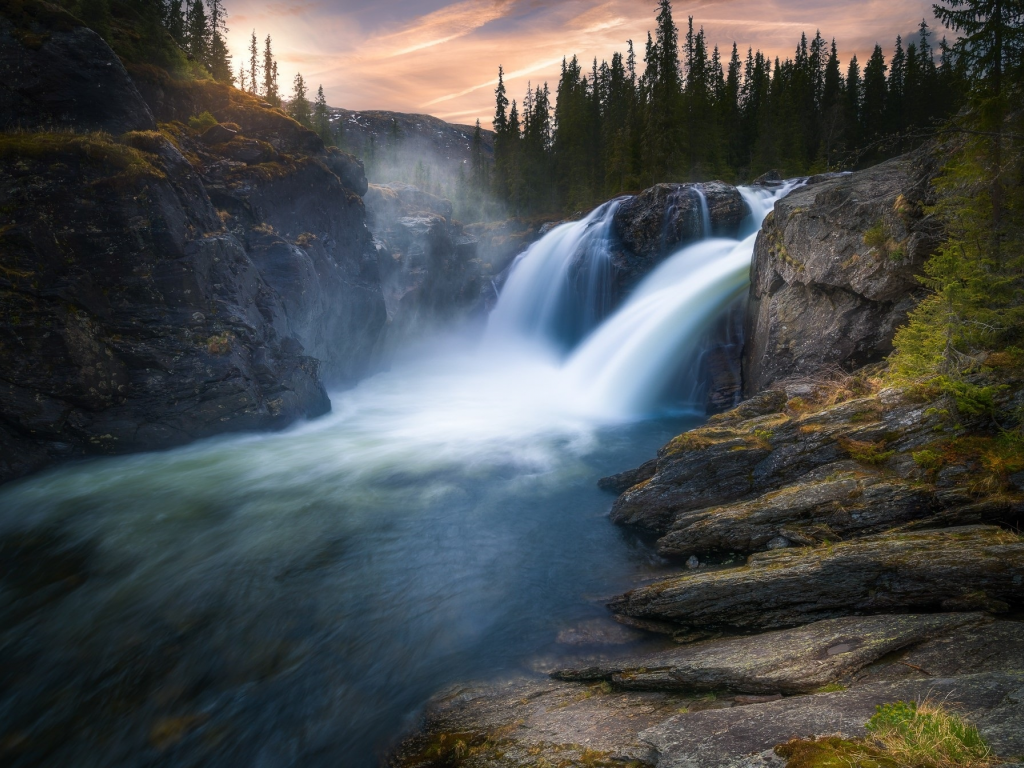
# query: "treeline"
{"type": "Point", "coordinates": [695, 114]}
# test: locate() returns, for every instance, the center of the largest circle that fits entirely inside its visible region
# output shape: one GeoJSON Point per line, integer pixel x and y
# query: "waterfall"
{"type": "Point", "coordinates": [705, 212]}
{"type": "Point", "coordinates": [623, 367]}
{"type": "Point", "coordinates": [559, 289]}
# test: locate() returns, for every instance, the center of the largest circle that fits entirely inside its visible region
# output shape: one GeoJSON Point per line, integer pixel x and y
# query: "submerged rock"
{"type": "Point", "coordinates": [787, 661]}
{"type": "Point", "coordinates": [966, 568]}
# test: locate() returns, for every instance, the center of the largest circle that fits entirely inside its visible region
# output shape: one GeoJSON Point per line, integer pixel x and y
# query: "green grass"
{"type": "Point", "coordinates": [900, 735]}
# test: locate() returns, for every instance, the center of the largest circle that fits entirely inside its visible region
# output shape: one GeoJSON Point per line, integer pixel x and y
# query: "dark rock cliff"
{"type": "Point", "coordinates": [429, 269]}
{"type": "Point", "coordinates": [835, 269]}
{"type": "Point", "coordinates": [161, 286]}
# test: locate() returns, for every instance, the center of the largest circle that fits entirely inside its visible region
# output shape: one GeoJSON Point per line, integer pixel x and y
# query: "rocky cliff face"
{"type": "Point", "coordinates": [835, 271]}
{"type": "Point", "coordinates": [428, 267]}
{"type": "Point", "coordinates": [161, 286]}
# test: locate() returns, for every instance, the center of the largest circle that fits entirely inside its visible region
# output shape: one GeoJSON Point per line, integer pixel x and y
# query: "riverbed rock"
{"type": "Point", "coordinates": [851, 501]}
{"type": "Point", "coordinates": [964, 568]}
{"type": "Point", "coordinates": [835, 270]}
{"type": "Point", "coordinates": [787, 661]}
{"type": "Point", "coordinates": [525, 722]}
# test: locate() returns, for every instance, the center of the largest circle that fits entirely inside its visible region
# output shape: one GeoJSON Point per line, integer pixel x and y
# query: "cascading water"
{"type": "Point", "coordinates": [622, 370]}
{"type": "Point", "coordinates": [293, 598]}
{"type": "Point", "coordinates": [705, 212]}
{"type": "Point", "coordinates": [559, 289]}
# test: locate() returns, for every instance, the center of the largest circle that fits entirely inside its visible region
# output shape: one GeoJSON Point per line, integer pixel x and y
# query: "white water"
{"type": "Point", "coordinates": [558, 289]}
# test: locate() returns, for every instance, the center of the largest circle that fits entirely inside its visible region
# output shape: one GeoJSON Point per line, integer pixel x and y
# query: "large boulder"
{"type": "Point", "coordinates": [57, 74]}
{"type": "Point", "coordinates": [835, 270]}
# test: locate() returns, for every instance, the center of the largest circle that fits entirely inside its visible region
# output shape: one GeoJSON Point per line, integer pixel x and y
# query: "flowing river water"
{"type": "Point", "coordinates": [294, 598]}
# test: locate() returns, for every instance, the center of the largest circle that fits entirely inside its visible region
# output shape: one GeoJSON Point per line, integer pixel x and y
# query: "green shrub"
{"type": "Point", "coordinates": [202, 122]}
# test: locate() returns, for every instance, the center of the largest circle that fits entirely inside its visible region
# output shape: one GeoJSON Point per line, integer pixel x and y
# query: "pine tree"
{"type": "Point", "coordinates": [299, 106]}
{"type": "Point", "coordinates": [270, 88]}
{"type": "Point", "coordinates": [218, 58]}
{"type": "Point", "coordinates": [322, 117]}
{"type": "Point", "coordinates": [197, 33]}
{"type": "Point", "coordinates": [873, 105]}
{"type": "Point", "coordinates": [851, 104]}
{"type": "Point", "coordinates": [254, 65]}
{"type": "Point", "coordinates": [664, 140]}
{"type": "Point", "coordinates": [991, 50]}
{"type": "Point", "coordinates": [833, 122]}
{"type": "Point", "coordinates": [174, 21]}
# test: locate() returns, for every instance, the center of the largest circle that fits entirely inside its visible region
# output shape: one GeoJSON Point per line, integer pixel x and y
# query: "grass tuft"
{"type": "Point", "coordinates": [927, 736]}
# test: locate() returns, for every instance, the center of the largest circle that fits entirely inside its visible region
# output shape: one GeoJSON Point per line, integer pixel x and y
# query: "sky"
{"type": "Point", "coordinates": [441, 58]}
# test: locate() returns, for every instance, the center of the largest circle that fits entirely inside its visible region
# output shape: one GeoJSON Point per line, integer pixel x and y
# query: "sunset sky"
{"type": "Point", "coordinates": [441, 58]}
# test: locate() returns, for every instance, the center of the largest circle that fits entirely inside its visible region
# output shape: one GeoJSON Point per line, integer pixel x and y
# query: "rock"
{"type": "Point", "coordinates": [965, 568]}
{"type": "Point", "coordinates": [848, 501]}
{"type": "Point", "coordinates": [626, 480]}
{"type": "Point", "coordinates": [137, 321]}
{"type": "Point", "coordinates": [725, 738]}
{"type": "Point", "coordinates": [519, 721]}
{"type": "Point", "coordinates": [835, 270]}
{"type": "Point", "coordinates": [217, 134]}
{"type": "Point", "coordinates": [58, 74]}
{"type": "Point", "coordinates": [348, 168]}
{"type": "Point", "coordinates": [770, 178]}
{"type": "Point", "coordinates": [738, 456]}
{"type": "Point", "coordinates": [788, 661]}
{"type": "Point", "coordinates": [692, 563]}
{"type": "Point", "coordinates": [428, 268]}
{"type": "Point", "coordinates": [660, 220]}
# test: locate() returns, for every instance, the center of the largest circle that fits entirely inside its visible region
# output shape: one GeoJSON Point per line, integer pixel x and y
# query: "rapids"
{"type": "Point", "coordinates": [294, 598]}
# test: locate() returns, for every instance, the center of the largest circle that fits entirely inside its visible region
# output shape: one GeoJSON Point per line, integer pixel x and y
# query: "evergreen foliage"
{"type": "Point", "coordinates": [975, 282]}
{"type": "Point", "coordinates": [270, 88]}
{"type": "Point", "coordinates": [696, 114]}
{"type": "Point", "coordinates": [299, 105]}
{"type": "Point", "coordinates": [321, 120]}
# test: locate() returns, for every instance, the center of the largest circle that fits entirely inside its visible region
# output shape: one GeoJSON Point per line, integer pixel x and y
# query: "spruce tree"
{"type": "Point", "coordinates": [218, 58]}
{"type": "Point", "coordinates": [299, 106]}
{"type": "Point", "coordinates": [873, 105]}
{"type": "Point", "coordinates": [270, 88]}
{"type": "Point", "coordinates": [254, 65]}
{"type": "Point", "coordinates": [198, 32]}
{"type": "Point", "coordinates": [175, 22]}
{"type": "Point", "coordinates": [322, 117]}
{"type": "Point", "coordinates": [991, 50]}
